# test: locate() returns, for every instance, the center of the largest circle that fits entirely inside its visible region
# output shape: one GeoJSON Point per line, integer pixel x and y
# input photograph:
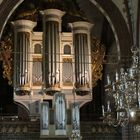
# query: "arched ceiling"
{"type": "Point", "coordinates": [93, 12]}
{"type": "Point", "coordinates": [68, 5]}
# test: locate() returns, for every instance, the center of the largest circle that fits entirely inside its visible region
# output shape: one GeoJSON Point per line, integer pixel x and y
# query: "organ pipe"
{"type": "Point", "coordinates": [22, 43]}
{"type": "Point", "coordinates": [51, 53]}
{"type": "Point", "coordinates": [82, 50]}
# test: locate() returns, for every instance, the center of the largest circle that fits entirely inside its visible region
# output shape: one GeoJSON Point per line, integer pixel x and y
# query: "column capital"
{"type": "Point", "coordinates": [52, 14]}
{"type": "Point", "coordinates": [23, 25]}
{"type": "Point", "coordinates": [81, 26]}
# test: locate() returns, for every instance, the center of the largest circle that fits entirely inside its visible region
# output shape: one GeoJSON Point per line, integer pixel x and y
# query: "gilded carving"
{"type": "Point", "coordinates": [69, 60]}
{"type": "Point", "coordinates": [98, 53]}
{"type": "Point", "coordinates": [28, 14]}
{"type": "Point", "coordinates": [6, 56]}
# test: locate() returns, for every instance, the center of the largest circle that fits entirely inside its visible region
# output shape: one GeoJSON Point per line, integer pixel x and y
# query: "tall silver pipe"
{"type": "Point", "coordinates": [81, 37]}
{"type": "Point", "coordinates": [22, 33]}
{"type": "Point", "coordinates": [51, 41]}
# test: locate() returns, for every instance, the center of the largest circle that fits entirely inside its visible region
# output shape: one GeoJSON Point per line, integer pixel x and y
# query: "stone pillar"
{"type": "Point", "coordinates": [82, 52]}
{"type": "Point", "coordinates": [51, 49]}
{"type": "Point", "coordinates": [22, 58]}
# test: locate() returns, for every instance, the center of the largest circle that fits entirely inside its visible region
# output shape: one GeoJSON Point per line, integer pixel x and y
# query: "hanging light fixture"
{"type": "Point", "coordinates": [126, 94]}
{"type": "Point", "coordinates": [125, 89]}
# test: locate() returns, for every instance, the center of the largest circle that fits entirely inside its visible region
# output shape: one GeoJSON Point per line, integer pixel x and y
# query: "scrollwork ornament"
{"type": "Point", "coordinates": [98, 53]}
{"type": "Point", "coordinates": [6, 57]}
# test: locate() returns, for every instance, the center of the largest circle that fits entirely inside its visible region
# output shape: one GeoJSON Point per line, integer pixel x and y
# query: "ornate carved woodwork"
{"type": "Point", "coordinates": [97, 53]}
{"type": "Point", "coordinates": [6, 47]}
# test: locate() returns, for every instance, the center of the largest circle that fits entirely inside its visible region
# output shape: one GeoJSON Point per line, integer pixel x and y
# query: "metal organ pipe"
{"type": "Point", "coordinates": [22, 33]}
{"type": "Point", "coordinates": [82, 50]}
{"type": "Point", "coordinates": [51, 41]}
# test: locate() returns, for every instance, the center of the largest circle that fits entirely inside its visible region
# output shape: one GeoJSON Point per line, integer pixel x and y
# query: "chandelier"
{"type": "Point", "coordinates": [125, 92]}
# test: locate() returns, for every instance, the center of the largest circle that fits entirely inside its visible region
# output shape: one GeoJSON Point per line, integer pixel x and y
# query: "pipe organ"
{"type": "Point", "coordinates": [53, 67]}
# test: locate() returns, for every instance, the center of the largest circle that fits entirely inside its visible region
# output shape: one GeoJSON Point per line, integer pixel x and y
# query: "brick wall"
{"type": "Point", "coordinates": [99, 131]}
{"type": "Point", "coordinates": [19, 130]}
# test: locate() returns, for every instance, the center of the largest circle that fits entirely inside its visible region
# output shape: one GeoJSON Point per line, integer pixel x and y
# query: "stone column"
{"type": "Point", "coordinates": [22, 58]}
{"type": "Point", "coordinates": [82, 52]}
{"type": "Point", "coordinates": [51, 48]}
